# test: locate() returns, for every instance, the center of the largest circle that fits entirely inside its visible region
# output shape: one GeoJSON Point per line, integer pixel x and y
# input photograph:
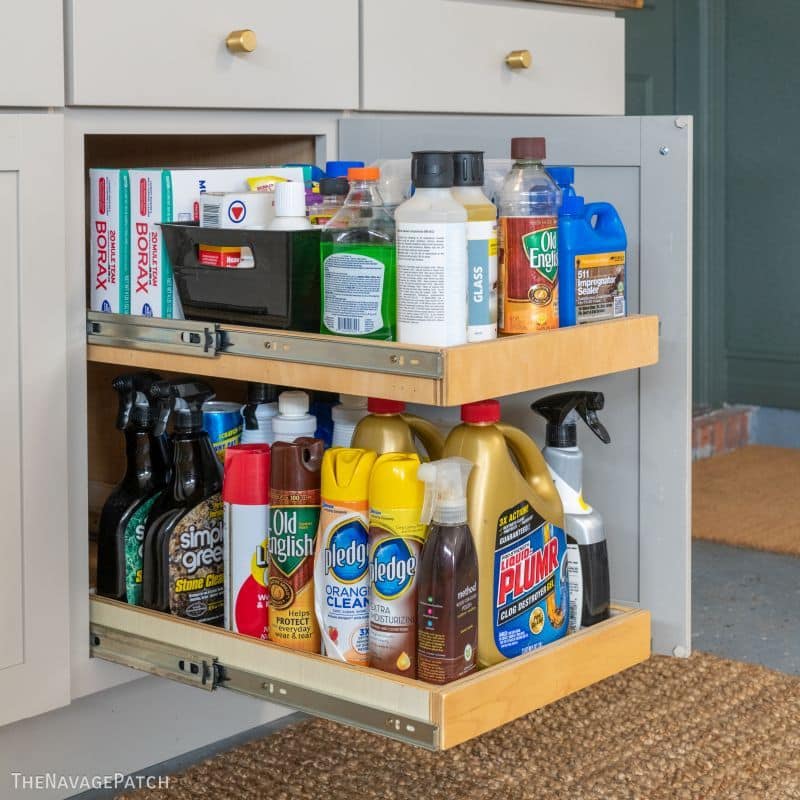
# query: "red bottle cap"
{"type": "Point", "coordinates": [482, 411]}
{"type": "Point", "coordinates": [377, 405]}
{"type": "Point", "coordinates": [246, 478]}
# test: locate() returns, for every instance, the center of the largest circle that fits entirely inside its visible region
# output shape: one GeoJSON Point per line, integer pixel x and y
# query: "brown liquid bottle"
{"type": "Point", "coordinates": [294, 496]}
{"type": "Point", "coordinates": [447, 611]}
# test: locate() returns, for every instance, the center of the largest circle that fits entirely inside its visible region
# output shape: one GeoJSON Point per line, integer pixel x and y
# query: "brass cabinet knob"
{"type": "Point", "coordinates": [243, 41]}
{"type": "Point", "coordinates": [519, 59]}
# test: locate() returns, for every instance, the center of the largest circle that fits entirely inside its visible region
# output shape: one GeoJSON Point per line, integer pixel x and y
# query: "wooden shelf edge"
{"type": "Point", "coordinates": [519, 686]}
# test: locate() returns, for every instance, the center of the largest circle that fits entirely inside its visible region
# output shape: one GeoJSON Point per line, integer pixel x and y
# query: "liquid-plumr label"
{"type": "Point", "coordinates": [531, 589]}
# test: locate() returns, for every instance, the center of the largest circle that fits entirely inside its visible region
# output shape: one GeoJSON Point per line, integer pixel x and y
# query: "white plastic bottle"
{"type": "Point", "coordinates": [290, 207]}
{"type": "Point", "coordinates": [293, 420]}
{"type": "Point", "coordinates": [432, 256]}
{"type": "Point", "coordinates": [351, 410]}
{"type": "Point", "coordinates": [258, 412]}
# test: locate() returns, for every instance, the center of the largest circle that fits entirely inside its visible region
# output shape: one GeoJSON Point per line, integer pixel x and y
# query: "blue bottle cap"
{"type": "Point", "coordinates": [573, 205]}
{"type": "Point", "coordinates": [338, 169]}
{"type": "Point", "coordinates": [562, 176]}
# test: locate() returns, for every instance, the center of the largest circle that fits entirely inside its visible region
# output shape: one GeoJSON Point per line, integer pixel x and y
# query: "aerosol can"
{"type": "Point", "coordinates": [587, 551]}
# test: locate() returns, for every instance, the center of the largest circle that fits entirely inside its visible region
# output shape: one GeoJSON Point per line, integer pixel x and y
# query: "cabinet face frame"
{"type": "Point", "coordinates": [34, 578]}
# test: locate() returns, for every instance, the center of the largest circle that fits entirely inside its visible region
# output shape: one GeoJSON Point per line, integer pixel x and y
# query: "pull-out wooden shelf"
{"type": "Point", "coordinates": [446, 376]}
{"type": "Point", "coordinates": [419, 713]}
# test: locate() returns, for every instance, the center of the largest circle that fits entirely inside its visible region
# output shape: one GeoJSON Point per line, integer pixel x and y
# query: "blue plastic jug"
{"type": "Point", "coordinates": [591, 262]}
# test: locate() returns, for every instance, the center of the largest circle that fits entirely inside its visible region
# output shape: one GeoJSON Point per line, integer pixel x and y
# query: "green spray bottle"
{"type": "Point", "coordinates": [183, 548]}
{"type": "Point", "coordinates": [122, 521]}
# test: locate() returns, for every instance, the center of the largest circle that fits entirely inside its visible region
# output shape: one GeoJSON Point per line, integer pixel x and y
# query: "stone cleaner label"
{"type": "Point", "coordinates": [196, 564]}
{"type": "Point", "coordinates": [531, 590]}
{"type": "Point", "coordinates": [134, 550]}
{"type": "Point", "coordinates": [599, 286]}
{"type": "Point", "coordinates": [342, 581]}
{"type": "Point", "coordinates": [294, 515]}
{"type": "Point", "coordinates": [528, 274]}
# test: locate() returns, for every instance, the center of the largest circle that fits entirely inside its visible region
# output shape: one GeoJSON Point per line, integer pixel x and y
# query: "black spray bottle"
{"type": "Point", "coordinates": [183, 552]}
{"type": "Point", "coordinates": [124, 515]}
{"type": "Point", "coordinates": [587, 551]}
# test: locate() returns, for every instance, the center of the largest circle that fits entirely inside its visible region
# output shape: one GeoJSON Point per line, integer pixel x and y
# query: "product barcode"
{"type": "Point", "coordinates": [348, 324]}
{"type": "Point", "coordinates": [619, 305]}
{"type": "Point", "coordinates": [210, 217]}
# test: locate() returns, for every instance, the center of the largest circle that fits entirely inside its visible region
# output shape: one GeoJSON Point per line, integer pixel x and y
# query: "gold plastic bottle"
{"type": "Point", "coordinates": [516, 519]}
{"type": "Point", "coordinates": [388, 429]}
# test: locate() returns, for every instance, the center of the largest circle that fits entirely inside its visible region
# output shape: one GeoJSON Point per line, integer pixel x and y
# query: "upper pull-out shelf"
{"type": "Point", "coordinates": [440, 376]}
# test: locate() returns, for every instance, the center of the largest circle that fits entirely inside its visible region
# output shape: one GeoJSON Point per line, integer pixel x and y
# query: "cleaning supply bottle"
{"type": "Point", "coordinates": [293, 419]}
{"type": "Point", "coordinates": [390, 429]}
{"type": "Point", "coordinates": [396, 536]}
{"type": "Point", "coordinates": [357, 252]}
{"type": "Point", "coordinates": [589, 585]}
{"type": "Point", "coordinates": [591, 256]}
{"type": "Point", "coordinates": [528, 233]}
{"type": "Point", "coordinates": [516, 517]}
{"type": "Point", "coordinates": [481, 245]}
{"type": "Point", "coordinates": [564, 178]}
{"type": "Point", "coordinates": [350, 411]}
{"type": "Point", "coordinates": [122, 521]}
{"type": "Point", "coordinates": [258, 413]}
{"type": "Point", "coordinates": [448, 584]}
{"type": "Point", "coordinates": [290, 207]}
{"type": "Point", "coordinates": [340, 169]}
{"type": "Point", "coordinates": [431, 256]}
{"type": "Point", "coordinates": [294, 498]}
{"type": "Point", "coordinates": [341, 562]}
{"type": "Point", "coordinates": [245, 498]}
{"type": "Point", "coordinates": [333, 192]}
{"type": "Point", "coordinates": [183, 547]}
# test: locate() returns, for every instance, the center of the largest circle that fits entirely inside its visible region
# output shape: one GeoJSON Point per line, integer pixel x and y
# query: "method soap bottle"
{"type": "Point", "coordinates": [447, 612]}
{"type": "Point", "coordinates": [432, 256]}
{"type": "Point", "coordinates": [481, 245]}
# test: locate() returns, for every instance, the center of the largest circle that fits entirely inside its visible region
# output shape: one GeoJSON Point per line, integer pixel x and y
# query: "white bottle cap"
{"type": "Point", "coordinates": [290, 199]}
{"type": "Point", "coordinates": [293, 404]}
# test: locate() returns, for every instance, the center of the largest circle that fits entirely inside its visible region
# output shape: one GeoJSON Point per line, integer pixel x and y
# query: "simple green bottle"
{"type": "Point", "coordinates": [357, 254]}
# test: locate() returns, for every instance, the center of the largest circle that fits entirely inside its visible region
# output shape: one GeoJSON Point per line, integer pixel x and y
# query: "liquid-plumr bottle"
{"type": "Point", "coordinates": [358, 263]}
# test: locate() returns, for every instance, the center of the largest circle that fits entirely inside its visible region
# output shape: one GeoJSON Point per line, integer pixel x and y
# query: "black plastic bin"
{"type": "Point", "coordinates": [281, 290]}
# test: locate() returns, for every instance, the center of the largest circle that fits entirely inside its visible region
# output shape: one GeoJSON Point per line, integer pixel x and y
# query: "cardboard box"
{"type": "Point", "coordinates": [109, 241]}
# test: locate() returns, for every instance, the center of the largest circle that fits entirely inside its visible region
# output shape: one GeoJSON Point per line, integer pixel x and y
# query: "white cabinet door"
{"type": "Point", "coordinates": [34, 609]}
{"type": "Point", "coordinates": [31, 53]}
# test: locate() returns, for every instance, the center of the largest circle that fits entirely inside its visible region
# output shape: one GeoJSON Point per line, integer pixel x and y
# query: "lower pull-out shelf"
{"type": "Point", "coordinates": [436, 717]}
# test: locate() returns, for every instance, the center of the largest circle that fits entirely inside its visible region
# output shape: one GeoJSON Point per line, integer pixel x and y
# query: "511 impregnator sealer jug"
{"type": "Point", "coordinates": [516, 517]}
{"type": "Point", "coordinates": [589, 585]}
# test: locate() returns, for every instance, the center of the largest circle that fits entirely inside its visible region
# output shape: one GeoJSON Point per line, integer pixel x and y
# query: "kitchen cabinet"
{"type": "Point", "coordinates": [34, 620]}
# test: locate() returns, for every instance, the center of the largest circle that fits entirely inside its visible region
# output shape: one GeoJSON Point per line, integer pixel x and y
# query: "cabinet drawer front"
{"type": "Point", "coordinates": [31, 48]}
{"type": "Point", "coordinates": [450, 55]}
{"type": "Point", "coordinates": [155, 53]}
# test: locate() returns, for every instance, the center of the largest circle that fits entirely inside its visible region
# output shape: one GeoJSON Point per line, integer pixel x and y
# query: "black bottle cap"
{"type": "Point", "coordinates": [258, 393]}
{"type": "Point", "coordinates": [468, 168]}
{"type": "Point", "coordinates": [561, 431]}
{"type": "Point", "coordinates": [563, 435]}
{"type": "Point", "coordinates": [329, 186]}
{"type": "Point", "coordinates": [432, 169]}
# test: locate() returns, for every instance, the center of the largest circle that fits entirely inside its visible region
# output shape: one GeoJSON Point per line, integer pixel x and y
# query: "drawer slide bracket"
{"type": "Point", "coordinates": [207, 672]}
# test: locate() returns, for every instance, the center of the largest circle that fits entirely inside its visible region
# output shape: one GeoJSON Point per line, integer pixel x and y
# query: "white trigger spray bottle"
{"type": "Point", "coordinates": [447, 584]}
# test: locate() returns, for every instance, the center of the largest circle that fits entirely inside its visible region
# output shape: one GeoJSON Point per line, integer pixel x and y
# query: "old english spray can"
{"type": "Point", "coordinates": [341, 566]}
{"type": "Point", "coordinates": [245, 494]}
{"type": "Point", "coordinates": [294, 515]}
{"type": "Point", "coordinates": [396, 536]}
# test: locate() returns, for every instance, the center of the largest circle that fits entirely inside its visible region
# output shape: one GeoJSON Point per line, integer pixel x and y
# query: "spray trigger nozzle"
{"type": "Point", "coordinates": [185, 397]}
{"type": "Point", "coordinates": [560, 409]}
{"type": "Point", "coordinates": [134, 391]}
{"type": "Point", "coordinates": [445, 490]}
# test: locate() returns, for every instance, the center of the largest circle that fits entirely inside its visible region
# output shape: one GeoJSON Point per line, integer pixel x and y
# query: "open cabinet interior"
{"type": "Point", "coordinates": [639, 481]}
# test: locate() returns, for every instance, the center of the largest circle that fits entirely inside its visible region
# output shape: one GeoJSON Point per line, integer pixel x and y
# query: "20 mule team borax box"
{"type": "Point", "coordinates": [143, 282]}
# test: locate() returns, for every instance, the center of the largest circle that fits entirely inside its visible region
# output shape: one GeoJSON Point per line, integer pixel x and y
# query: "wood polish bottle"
{"type": "Point", "coordinates": [481, 245]}
{"type": "Point", "coordinates": [431, 256]}
{"type": "Point", "coordinates": [447, 585]}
